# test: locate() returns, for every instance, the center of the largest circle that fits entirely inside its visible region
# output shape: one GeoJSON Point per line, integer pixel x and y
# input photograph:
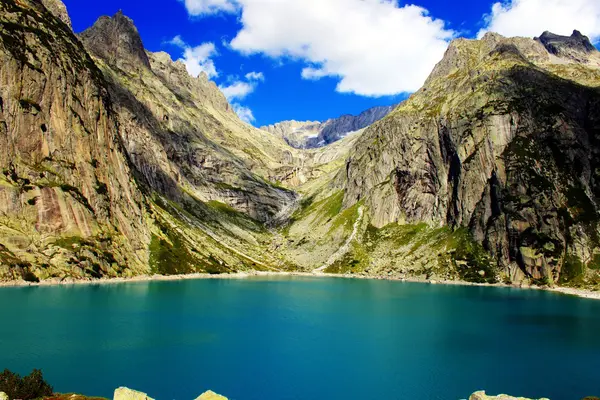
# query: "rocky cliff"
{"type": "Point", "coordinates": [307, 135]}
{"type": "Point", "coordinates": [68, 201]}
{"type": "Point", "coordinates": [119, 163]}
{"type": "Point", "coordinates": [503, 142]}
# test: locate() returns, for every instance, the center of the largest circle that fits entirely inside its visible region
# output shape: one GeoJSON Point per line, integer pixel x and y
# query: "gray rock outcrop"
{"type": "Point", "coordinates": [308, 135]}
{"type": "Point", "coordinates": [58, 8]}
{"type": "Point", "coordinates": [210, 395]}
{"type": "Point", "coordinates": [482, 396]}
{"type": "Point", "coordinates": [498, 143]}
{"type": "Point", "coordinates": [64, 173]}
{"type": "Point", "coordinates": [117, 41]}
{"type": "Point", "coordinates": [576, 47]}
{"type": "Point", "coordinates": [124, 393]}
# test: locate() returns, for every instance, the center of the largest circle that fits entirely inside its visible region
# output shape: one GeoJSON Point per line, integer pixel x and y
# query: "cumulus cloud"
{"type": "Point", "coordinates": [197, 59]}
{"type": "Point", "coordinates": [237, 90]}
{"type": "Point", "coordinates": [243, 112]}
{"type": "Point", "coordinates": [255, 76]}
{"type": "Point", "coordinates": [532, 17]}
{"type": "Point", "coordinates": [207, 7]}
{"type": "Point", "coordinates": [373, 47]}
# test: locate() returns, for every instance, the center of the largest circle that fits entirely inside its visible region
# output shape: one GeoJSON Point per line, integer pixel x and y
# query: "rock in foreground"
{"type": "Point", "coordinates": [210, 395]}
{"type": "Point", "coordinates": [482, 396]}
{"type": "Point", "coordinates": [124, 393]}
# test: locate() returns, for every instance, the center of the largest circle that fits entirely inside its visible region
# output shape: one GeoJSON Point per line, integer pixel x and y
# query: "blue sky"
{"type": "Point", "coordinates": [317, 59]}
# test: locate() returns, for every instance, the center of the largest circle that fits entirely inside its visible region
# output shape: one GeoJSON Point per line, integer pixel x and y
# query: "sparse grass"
{"type": "Point", "coordinates": [327, 208]}
{"type": "Point", "coordinates": [346, 218]}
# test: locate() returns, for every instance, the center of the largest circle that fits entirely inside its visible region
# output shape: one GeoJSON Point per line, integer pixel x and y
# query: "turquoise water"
{"type": "Point", "coordinates": [303, 338]}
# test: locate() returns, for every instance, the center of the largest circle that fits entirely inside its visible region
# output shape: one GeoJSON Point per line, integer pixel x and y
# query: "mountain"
{"type": "Point", "coordinates": [64, 173]}
{"type": "Point", "coordinates": [502, 142]}
{"type": "Point", "coordinates": [119, 163]}
{"type": "Point", "coordinates": [310, 134]}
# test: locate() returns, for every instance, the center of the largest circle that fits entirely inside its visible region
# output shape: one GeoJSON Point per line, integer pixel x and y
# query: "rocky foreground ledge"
{"type": "Point", "coordinates": [124, 393]}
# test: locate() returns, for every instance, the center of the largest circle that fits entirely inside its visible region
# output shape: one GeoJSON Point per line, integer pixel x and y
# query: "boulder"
{"type": "Point", "coordinates": [124, 393]}
{"type": "Point", "coordinates": [482, 396]}
{"type": "Point", "coordinates": [210, 395]}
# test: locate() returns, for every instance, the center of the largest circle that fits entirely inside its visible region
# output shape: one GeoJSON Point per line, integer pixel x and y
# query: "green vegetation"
{"type": "Point", "coordinates": [29, 276]}
{"type": "Point", "coordinates": [327, 208]}
{"type": "Point", "coordinates": [573, 271]}
{"type": "Point", "coordinates": [70, 242]}
{"type": "Point", "coordinates": [353, 262]}
{"type": "Point", "coordinates": [32, 386]}
{"type": "Point", "coordinates": [346, 218]}
{"type": "Point", "coordinates": [470, 258]}
{"type": "Point", "coordinates": [170, 255]}
{"type": "Point", "coordinates": [421, 251]}
{"type": "Point", "coordinates": [594, 264]}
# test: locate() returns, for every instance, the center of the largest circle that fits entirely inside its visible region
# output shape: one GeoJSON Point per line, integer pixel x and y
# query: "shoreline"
{"type": "Point", "coordinates": [584, 293]}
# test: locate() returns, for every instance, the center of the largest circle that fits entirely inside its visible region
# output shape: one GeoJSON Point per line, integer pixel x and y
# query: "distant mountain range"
{"type": "Point", "coordinates": [116, 163]}
{"type": "Point", "coordinates": [310, 134]}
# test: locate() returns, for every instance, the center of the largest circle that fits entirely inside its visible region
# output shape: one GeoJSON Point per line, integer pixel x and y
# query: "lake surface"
{"type": "Point", "coordinates": [303, 338]}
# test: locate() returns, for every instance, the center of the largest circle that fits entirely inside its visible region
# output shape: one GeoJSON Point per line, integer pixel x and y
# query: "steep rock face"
{"type": "Point", "coordinates": [117, 41]}
{"type": "Point", "coordinates": [58, 8]}
{"type": "Point", "coordinates": [503, 140]}
{"type": "Point", "coordinates": [295, 133]}
{"type": "Point", "coordinates": [68, 202]}
{"type": "Point", "coordinates": [180, 131]}
{"type": "Point", "coordinates": [334, 129]}
{"type": "Point", "coordinates": [307, 135]}
{"type": "Point", "coordinates": [576, 47]}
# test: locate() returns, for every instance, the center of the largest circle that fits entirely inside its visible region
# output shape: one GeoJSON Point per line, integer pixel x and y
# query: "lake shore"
{"type": "Point", "coordinates": [589, 294]}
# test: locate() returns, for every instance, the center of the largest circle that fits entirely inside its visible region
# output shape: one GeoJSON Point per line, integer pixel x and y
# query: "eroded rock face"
{"type": "Point", "coordinates": [117, 41]}
{"type": "Point", "coordinates": [58, 8]}
{"type": "Point", "coordinates": [576, 47]}
{"type": "Point", "coordinates": [496, 145]}
{"type": "Point", "coordinates": [180, 131]}
{"type": "Point", "coordinates": [63, 170]}
{"type": "Point", "coordinates": [308, 135]}
{"type": "Point", "coordinates": [124, 393]}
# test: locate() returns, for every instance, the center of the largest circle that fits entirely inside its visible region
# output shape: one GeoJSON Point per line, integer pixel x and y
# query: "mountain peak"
{"type": "Point", "coordinates": [576, 47]}
{"type": "Point", "coordinates": [58, 8]}
{"type": "Point", "coordinates": [116, 40]}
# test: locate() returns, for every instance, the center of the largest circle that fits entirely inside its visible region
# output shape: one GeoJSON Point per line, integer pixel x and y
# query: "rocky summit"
{"type": "Point", "coordinates": [305, 135]}
{"type": "Point", "coordinates": [116, 162]}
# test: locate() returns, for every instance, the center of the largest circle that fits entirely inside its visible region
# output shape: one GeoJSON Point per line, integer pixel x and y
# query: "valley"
{"type": "Point", "coordinates": [120, 164]}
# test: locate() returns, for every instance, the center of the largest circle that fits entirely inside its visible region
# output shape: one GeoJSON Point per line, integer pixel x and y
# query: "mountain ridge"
{"type": "Point", "coordinates": [123, 164]}
{"type": "Point", "coordinates": [314, 134]}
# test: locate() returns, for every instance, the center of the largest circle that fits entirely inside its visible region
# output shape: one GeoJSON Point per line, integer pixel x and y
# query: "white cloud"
{"type": "Point", "coordinates": [313, 73]}
{"type": "Point", "coordinates": [243, 112]}
{"type": "Point", "coordinates": [178, 41]}
{"type": "Point", "coordinates": [237, 90]}
{"type": "Point", "coordinates": [197, 59]}
{"type": "Point", "coordinates": [206, 7]}
{"type": "Point", "coordinates": [255, 76]}
{"type": "Point", "coordinates": [533, 17]}
{"type": "Point", "coordinates": [374, 47]}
